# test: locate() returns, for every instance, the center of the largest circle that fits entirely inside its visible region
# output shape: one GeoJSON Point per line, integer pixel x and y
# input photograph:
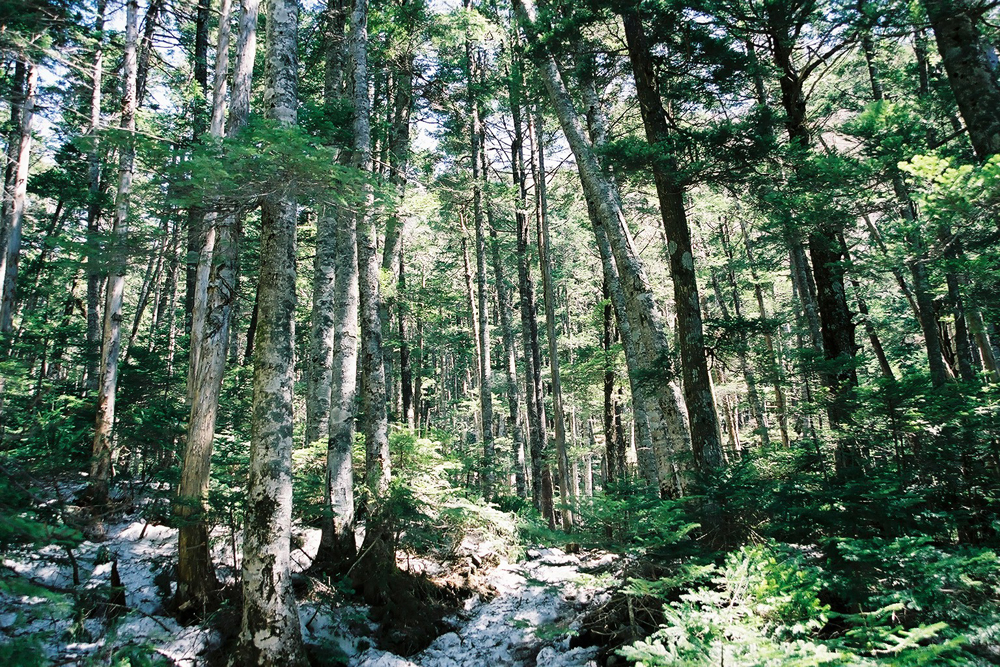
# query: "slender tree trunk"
{"type": "Point", "coordinates": [337, 545]}
{"type": "Point", "coordinates": [546, 265]}
{"type": "Point", "coordinates": [103, 455]}
{"type": "Point", "coordinates": [614, 445]}
{"type": "Point", "coordinates": [398, 149]}
{"type": "Point", "coordinates": [405, 369]}
{"type": "Point", "coordinates": [704, 423]}
{"type": "Point", "coordinates": [270, 634]}
{"type": "Point", "coordinates": [510, 365]}
{"type": "Point", "coordinates": [94, 204]}
{"type": "Point", "coordinates": [14, 204]}
{"type": "Point", "coordinates": [379, 550]}
{"type": "Point", "coordinates": [756, 404]}
{"type": "Point", "coordinates": [483, 332]}
{"type": "Point", "coordinates": [541, 495]}
{"type": "Point", "coordinates": [214, 299]}
{"type": "Point", "coordinates": [470, 290]}
{"type": "Point", "coordinates": [873, 339]}
{"type": "Point", "coordinates": [319, 385]}
{"type": "Point", "coordinates": [196, 228]}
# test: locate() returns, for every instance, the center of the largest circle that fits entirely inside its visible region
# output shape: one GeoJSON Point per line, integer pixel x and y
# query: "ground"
{"type": "Point", "coordinates": [521, 614]}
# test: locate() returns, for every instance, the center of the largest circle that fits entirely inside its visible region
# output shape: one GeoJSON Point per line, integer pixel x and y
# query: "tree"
{"type": "Point", "coordinates": [212, 316]}
{"type": "Point", "coordinates": [270, 633]}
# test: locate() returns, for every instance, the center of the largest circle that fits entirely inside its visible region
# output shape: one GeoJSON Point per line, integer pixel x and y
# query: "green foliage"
{"type": "Point", "coordinates": [23, 651]}
{"type": "Point", "coordinates": [766, 608]}
{"type": "Point", "coordinates": [636, 520]}
{"type": "Point", "coordinates": [432, 511]}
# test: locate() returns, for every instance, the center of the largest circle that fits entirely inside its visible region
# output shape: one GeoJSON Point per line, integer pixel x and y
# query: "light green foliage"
{"type": "Point", "coordinates": [765, 608]}
{"type": "Point", "coordinates": [437, 513]}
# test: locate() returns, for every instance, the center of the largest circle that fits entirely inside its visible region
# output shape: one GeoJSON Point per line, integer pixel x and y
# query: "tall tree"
{"type": "Point", "coordinates": [476, 134]}
{"type": "Point", "coordinates": [694, 367]}
{"type": "Point", "coordinates": [217, 282]}
{"type": "Point", "coordinates": [270, 634]}
{"type": "Point", "coordinates": [19, 152]}
{"type": "Point", "coordinates": [337, 243]}
{"type": "Point", "coordinates": [670, 436]}
{"type": "Point", "coordinates": [546, 269]}
{"type": "Point", "coordinates": [103, 455]}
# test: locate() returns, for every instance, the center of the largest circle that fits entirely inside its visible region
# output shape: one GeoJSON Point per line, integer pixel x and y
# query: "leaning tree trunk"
{"type": "Point", "coordinates": [270, 633]}
{"type": "Point", "coordinates": [103, 457]}
{"type": "Point", "coordinates": [670, 437]}
{"type": "Point", "coordinates": [704, 422]}
{"type": "Point", "coordinates": [656, 467]}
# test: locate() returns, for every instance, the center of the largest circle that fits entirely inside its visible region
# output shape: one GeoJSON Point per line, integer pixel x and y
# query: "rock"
{"type": "Point", "coordinates": [375, 658]}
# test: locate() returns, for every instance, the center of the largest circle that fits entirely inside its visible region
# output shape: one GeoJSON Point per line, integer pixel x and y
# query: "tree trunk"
{"type": "Point", "coordinates": [319, 385]}
{"type": "Point", "coordinates": [670, 437]}
{"type": "Point", "coordinates": [94, 203]}
{"type": "Point", "coordinates": [972, 79]}
{"type": "Point", "coordinates": [196, 228]}
{"type": "Point", "coordinates": [775, 370]}
{"type": "Point", "coordinates": [614, 445]}
{"type": "Point", "coordinates": [405, 368]}
{"type": "Point", "coordinates": [546, 264]}
{"type": "Point", "coordinates": [214, 299]}
{"type": "Point", "coordinates": [483, 333]}
{"type": "Point", "coordinates": [379, 550]}
{"type": "Point", "coordinates": [756, 405]}
{"type": "Point", "coordinates": [103, 456]}
{"type": "Point", "coordinates": [704, 424]}
{"type": "Point", "coordinates": [270, 635]}
{"type": "Point", "coordinates": [337, 545]}
{"type": "Point", "coordinates": [510, 365]}
{"type": "Point", "coordinates": [14, 203]}
{"type": "Point", "coordinates": [398, 148]}
{"type": "Point", "coordinates": [541, 495]}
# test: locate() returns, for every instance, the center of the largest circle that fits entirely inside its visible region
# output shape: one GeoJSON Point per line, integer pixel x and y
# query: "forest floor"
{"type": "Point", "coordinates": [61, 606]}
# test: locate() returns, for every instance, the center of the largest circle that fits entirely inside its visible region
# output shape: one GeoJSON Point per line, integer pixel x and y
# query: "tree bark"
{"type": "Point", "coordinates": [270, 634]}
{"type": "Point", "coordinates": [337, 545]}
{"type": "Point", "coordinates": [14, 203]}
{"type": "Point", "coordinates": [972, 80]}
{"type": "Point", "coordinates": [214, 299]}
{"type": "Point", "coordinates": [545, 268]}
{"type": "Point", "coordinates": [704, 423]}
{"type": "Point", "coordinates": [103, 456]}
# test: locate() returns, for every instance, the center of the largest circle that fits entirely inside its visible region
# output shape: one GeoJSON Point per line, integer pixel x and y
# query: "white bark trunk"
{"type": "Point", "coordinates": [669, 433]}
{"type": "Point", "coordinates": [270, 633]}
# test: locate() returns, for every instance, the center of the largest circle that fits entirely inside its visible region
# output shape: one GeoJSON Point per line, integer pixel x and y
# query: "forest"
{"type": "Point", "coordinates": [570, 333]}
